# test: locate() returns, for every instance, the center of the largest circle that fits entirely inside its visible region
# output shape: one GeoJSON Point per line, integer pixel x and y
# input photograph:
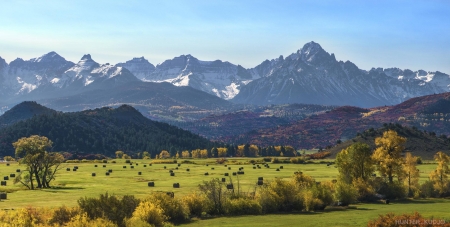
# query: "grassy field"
{"type": "Point", "coordinates": [357, 215]}
{"type": "Point", "coordinates": [69, 186]}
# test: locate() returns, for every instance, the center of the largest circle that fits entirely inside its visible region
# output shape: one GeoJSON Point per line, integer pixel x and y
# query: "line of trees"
{"type": "Point", "coordinates": [399, 176]}
{"type": "Point", "coordinates": [244, 150]}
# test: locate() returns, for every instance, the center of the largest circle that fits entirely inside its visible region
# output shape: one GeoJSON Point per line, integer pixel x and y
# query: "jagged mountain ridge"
{"type": "Point", "coordinates": [310, 75]}
{"type": "Point", "coordinates": [219, 78]}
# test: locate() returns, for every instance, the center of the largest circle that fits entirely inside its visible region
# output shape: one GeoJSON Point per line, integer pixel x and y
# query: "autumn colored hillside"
{"type": "Point", "coordinates": [428, 113]}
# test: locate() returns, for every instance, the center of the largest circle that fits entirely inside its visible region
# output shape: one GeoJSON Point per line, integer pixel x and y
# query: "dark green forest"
{"type": "Point", "coordinates": [103, 131]}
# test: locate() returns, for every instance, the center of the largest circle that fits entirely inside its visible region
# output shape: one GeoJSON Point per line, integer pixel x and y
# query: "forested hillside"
{"type": "Point", "coordinates": [102, 131]}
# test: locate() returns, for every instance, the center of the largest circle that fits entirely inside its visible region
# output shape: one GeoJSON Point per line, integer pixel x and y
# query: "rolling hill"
{"type": "Point", "coordinates": [102, 131]}
{"type": "Point", "coordinates": [427, 113]}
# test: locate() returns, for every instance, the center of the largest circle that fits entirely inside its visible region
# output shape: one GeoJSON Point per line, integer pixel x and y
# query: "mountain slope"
{"type": "Point", "coordinates": [23, 111]}
{"type": "Point", "coordinates": [156, 100]}
{"type": "Point", "coordinates": [418, 142]}
{"type": "Point", "coordinates": [103, 131]}
{"type": "Point", "coordinates": [312, 75]}
{"type": "Point", "coordinates": [219, 78]}
{"type": "Point", "coordinates": [140, 67]}
{"type": "Point", "coordinates": [343, 123]}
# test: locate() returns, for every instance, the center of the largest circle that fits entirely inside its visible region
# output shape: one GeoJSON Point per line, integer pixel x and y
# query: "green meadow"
{"type": "Point", "coordinates": [71, 185]}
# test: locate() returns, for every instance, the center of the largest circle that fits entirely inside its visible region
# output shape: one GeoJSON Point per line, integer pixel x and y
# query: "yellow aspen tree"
{"type": "Point", "coordinates": [412, 173]}
{"type": "Point", "coordinates": [440, 175]}
{"type": "Point", "coordinates": [387, 155]}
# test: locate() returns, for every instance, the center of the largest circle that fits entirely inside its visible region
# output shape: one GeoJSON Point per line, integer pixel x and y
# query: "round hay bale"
{"type": "Point", "coordinates": [188, 170]}
{"type": "Point", "coordinates": [229, 168]}
{"type": "Point", "coordinates": [165, 167]}
{"type": "Point", "coordinates": [226, 174]}
{"type": "Point", "coordinates": [387, 201]}
{"type": "Point", "coordinates": [278, 170]}
{"type": "Point", "coordinates": [67, 169]}
{"type": "Point", "coordinates": [3, 195]}
{"type": "Point", "coordinates": [170, 171]}
{"type": "Point", "coordinates": [93, 174]}
{"type": "Point", "coordinates": [110, 170]}
{"type": "Point", "coordinates": [172, 174]}
{"type": "Point", "coordinates": [150, 164]}
{"type": "Point", "coordinates": [104, 166]}
{"type": "Point", "coordinates": [3, 183]}
{"type": "Point", "coordinates": [281, 167]}
{"type": "Point", "coordinates": [132, 167]}
{"type": "Point", "coordinates": [212, 168]}
{"type": "Point", "coordinates": [145, 165]}
{"type": "Point", "coordinates": [229, 186]}
{"type": "Point", "coordinates": [95, 165]}
{"type": "Point", "coordinates": [7, 164]}
{"type": "Point", "coordinates": [234, 173]}
{"type": "Point", "coordinates": [176, 185]}
{"type": "Point", "coordinates": [75, 167]}
{"type": "Point", "coordinates": [207, 164]}
{"type": "Point", "coordinates": [179, 164]}
{"type": "Point", "coordinates": [107, 173]}
{"type": "Point", "coordinates": [137, 164]}
{"type": "Point", "coordinates": [5, 178]}
{"type": "Point", "coordinates": [260, 178]}
{"type": "Point", "coordinates": [259, 167]}
{"type": "Point", "coordinates": [254, 167]}
{"type": "Point", "coordinates": [74, 170]}
{"type": "Point", "coordinates": [223, 179]}
{"type": "Point", "coordinates": [176, 167]}
{"type": "Point", "coordinates": [124, 167]}
{"type": "Point", "coordinates": [260, 182]}
{"type": "Point", "coordinates": [241, 172]}
{"type": "Point", "coordinates": [12, 175]}
{"type": "Point", "coordinates": [206, 174]}
{"type": "Point", "coordinates": [151, 184]}
{"type": "Point", "coordinates": [17, 170]}
{"type": "Point", "coordinates": [139, 173]}
{"type": "Point", "coordinates": [225, 165]}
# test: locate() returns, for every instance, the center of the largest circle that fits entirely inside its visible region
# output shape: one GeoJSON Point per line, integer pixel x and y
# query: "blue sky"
{"type": "Point", "coordinates": [370, 33]}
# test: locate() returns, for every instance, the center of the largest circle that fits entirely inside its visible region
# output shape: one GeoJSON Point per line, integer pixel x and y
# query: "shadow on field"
{"type": "Point", "coordinates": [61, 189]}
{"type": "Point", "coordinates": [418, 201]}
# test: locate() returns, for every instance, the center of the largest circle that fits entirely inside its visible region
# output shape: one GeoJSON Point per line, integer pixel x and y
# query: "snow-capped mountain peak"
{"type": "Point", "coordinates": [49, 57]}
{"type": "Point", "coordinates": [220, 78]}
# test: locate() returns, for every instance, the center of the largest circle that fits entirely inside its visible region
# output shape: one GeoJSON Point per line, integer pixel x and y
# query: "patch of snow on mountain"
{"type": "Point", "coordinates": [231, 90]}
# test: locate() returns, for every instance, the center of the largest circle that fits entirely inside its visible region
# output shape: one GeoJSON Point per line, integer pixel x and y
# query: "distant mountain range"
{"type": "Point", "coordinates": [310, 75]}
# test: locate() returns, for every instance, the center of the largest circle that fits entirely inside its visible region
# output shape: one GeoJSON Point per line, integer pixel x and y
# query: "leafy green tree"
{"type": "Point", "coordinates": [119, 154]}
{"type": "Point", "coordinates": [214, 152]}
{"type": "Point", "coordinates": [355, 162]}
{"type": "Point", "coordinates": [41, 165]}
